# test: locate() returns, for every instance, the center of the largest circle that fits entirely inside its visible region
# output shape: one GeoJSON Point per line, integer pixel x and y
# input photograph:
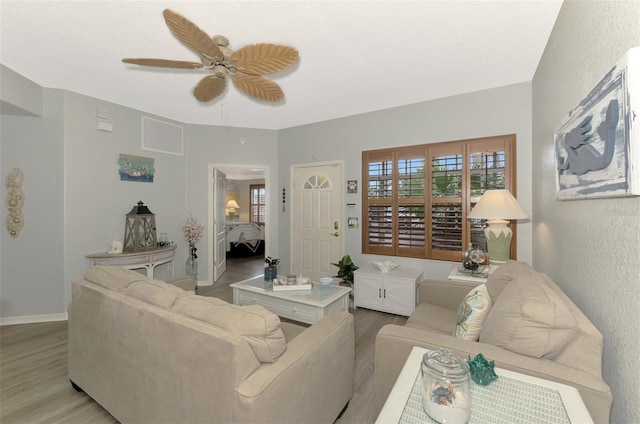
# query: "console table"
{"type": "Point", "coordinates": [513, 397]}
{"type": "Point", "coordinates": [148, 259]}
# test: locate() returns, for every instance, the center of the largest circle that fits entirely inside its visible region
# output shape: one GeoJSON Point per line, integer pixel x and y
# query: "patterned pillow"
{"type": "Point", "coordinates": [471, 314]}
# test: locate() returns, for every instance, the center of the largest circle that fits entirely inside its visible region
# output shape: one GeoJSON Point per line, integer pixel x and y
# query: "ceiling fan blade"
{"type": "Point", "coordinates": [259, 87]}
{"type": "Point", "coordinates": [264, 58]}
{"type": "Point", "coordinates": [209, 88]}
{"type": "Point", "coordinates": [191, 35]}
{"type": "Point", "coordinates": [164, 63]}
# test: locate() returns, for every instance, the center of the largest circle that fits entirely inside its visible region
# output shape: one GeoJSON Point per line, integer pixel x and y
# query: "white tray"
{"type": "Point", "coordinates": [288, 287]}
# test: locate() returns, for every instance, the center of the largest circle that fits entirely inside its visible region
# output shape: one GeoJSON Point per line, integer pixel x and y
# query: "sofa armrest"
{"type": "Point", "coordinates": [393, 344]}
{"type": "Point", "coordinates": [446, 293]}
{"type": "Point", "coordinates": [316, 370]}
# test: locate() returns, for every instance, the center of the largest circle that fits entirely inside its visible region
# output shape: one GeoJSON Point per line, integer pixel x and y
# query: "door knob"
{"type": "Point", "coordinates": [336, 234]}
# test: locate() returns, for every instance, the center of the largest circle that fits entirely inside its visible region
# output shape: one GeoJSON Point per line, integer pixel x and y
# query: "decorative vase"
{"type": "Point", "coordinates": [467, 261]}
{"type": "Point", "coordinates": [191, 266]}
{"type": "Point", "coordinates": [270, 273]}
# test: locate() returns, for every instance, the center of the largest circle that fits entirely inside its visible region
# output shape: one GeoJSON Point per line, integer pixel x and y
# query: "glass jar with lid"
{"type": "Point", "coordinates": [446, 387]}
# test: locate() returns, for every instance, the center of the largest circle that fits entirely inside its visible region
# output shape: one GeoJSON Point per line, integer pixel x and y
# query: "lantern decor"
{"type": "Point", "coordinates": [140, 229]}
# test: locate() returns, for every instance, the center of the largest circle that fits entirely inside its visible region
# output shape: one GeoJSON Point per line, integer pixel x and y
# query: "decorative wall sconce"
{"type": "Point", "coordinates": [140, 229]}
{"type": "Point", "coordinates": [15, 201]}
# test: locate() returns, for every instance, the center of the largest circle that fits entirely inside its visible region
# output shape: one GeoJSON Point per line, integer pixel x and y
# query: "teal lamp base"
{"type": "Point", "coordinates": [498, 236]}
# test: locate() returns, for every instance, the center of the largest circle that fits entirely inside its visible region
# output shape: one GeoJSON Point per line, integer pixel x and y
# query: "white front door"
{"type": "Point", "coordinates": [317, 219]}
{"type": "Point", "coordinates": [219, 230]}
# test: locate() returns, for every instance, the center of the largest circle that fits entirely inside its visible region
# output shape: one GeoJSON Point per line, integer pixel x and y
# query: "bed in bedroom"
{"type": "Point", "coordinates": [244, 239]}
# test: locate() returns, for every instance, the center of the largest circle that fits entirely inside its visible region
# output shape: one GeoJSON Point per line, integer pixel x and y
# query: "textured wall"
{"type": "Point", "coordinates": [502, 110]}
{"type": "Point", "coordinates": [589, 247]}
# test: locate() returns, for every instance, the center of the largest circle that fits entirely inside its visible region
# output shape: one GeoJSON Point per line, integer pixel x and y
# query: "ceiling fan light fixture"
{"type": "Point", "coordinates": [221, 40]}
{"type": "Point", "coordinates": [220, 71]}
{"type": "Point", "coordinates": [244, 66]}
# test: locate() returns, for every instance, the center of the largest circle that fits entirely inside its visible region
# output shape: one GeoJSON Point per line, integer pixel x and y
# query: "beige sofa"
{"type": "Point", "coordinates": [532, 328]}
{"type": "Point", "coordinates": [148, 351]}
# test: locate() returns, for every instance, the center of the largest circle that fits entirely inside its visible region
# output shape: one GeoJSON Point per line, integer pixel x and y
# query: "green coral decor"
{"type": "Point", "coordinates": [482, 371]}
{"type": "Point", "coordinates": [346, 267]}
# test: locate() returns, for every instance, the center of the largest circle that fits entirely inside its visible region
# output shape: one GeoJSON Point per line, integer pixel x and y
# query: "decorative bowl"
{"type": "Point", "coordinates": [325, 281]}
{"type": "Point", "coordinates": [385, 266]}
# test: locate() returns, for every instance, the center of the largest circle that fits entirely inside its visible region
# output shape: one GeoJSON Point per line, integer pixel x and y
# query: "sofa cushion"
{"type": "Point", "coordinates": [259, 327]}
{"type": "Point", "coordinates": [471, 314]}
{"type": "Point", "coordinates": [184, 282]}
{"type": "Point", "coordinates": [433, 317]}
{"type": "Point", "coordinates": [113, 277]}
{"type": "Point", "coordinates": [529, 318]}
{"type": "Point", "coordinates": [155, 292]}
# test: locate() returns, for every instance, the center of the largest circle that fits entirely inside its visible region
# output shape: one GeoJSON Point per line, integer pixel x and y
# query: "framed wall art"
{"type": "Point", "coordinates": [352, 186]}
{"type": "Point", "coordinates": [136, 168]}
{"type": "Point", "coordinates": [597, 146]}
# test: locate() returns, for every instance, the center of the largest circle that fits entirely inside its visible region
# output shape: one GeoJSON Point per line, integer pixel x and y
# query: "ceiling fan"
{"type": "Point", "coordinates": [244, 66]}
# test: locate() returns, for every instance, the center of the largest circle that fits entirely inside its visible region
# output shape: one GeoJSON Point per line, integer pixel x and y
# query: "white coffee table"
{"type": "Point", "coordinates": [512, 398]}
{"type": "Point", "coordinates": [308, 306]}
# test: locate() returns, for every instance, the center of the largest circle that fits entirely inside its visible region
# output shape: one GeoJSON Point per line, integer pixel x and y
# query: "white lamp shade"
{"type": "Point", "coordinates": [232, 204]}
{"type": "Point", "coordinates": [498, 204]}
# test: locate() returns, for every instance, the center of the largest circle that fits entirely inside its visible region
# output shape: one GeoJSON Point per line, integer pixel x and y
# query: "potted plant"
{"type": "Point", "coordinates": [346, 267]}
{"type": "Point", "coordinates": [270, 268]}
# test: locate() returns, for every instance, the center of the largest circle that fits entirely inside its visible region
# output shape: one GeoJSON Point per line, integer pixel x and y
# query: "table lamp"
{"type": "Point", "coordinates": [232, 205]}
{"type": "Point", "coordinates": [497, 207]}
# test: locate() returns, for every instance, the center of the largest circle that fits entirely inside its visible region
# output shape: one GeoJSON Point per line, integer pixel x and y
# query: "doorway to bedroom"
{"type": "Point", "coordinates": [239, 214]}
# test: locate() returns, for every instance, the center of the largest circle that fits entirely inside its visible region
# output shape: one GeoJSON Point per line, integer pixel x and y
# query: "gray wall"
{"type": "Point", "coordinates": [504, 110]}
{"type": "Point", "coordinates": [96, 200]}
{"type": "Point", "coordinates": [75, 202]}
{"type": "Point", "coordinates": [589, 247]}
{"type": "Point", "coordinates": [219, 145]}
{"type": "Point", "coordinates": [32, 273]}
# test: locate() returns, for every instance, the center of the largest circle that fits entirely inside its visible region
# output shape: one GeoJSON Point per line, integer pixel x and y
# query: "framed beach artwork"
{"type": "Point", "coordinates": [136, 168]}
{"type": "Point", "coordinates": [597, 146]}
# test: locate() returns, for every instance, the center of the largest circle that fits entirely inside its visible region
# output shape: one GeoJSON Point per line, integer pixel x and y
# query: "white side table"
{"type": "Point", "coordinates": [513, 397]}
{"type": "Point", "coordinates": [149, 259]}
{"type": "Point", "coordinates": [393, 291]}
{"type": "Point", "coordinates": [456, 274]}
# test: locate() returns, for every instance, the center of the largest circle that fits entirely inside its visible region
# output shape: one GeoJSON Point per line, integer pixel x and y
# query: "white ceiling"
{"type": "Point", "coordinates": [355, 56]}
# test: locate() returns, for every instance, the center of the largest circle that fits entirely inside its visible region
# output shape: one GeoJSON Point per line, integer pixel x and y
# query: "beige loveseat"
{"type": "Point", "coordinates": [148, 351]}
{"type": "Point", "coordinates": [532, 328]}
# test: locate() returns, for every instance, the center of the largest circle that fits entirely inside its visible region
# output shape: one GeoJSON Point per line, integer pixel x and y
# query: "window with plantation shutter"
{"type": "Point", "coordinates": [379, 188]}
{"type": "Point", "coordinates": [417, 198]}
{"type": "Point", "coordinates": [257, 203]}
{"type": "Point", "coordinates": [410, 203]}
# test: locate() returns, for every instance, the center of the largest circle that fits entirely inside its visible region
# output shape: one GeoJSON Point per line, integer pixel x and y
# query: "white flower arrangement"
{"type": "Point", "coordinates": [192, 230]}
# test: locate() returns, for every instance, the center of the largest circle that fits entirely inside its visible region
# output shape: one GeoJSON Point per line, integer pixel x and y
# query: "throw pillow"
{"type": "Point", "coordinates": [529, 318]}
{"type": "Point", "coordinates": [471, 314]}
{"type": "Point", "coordinates": [502, 276]}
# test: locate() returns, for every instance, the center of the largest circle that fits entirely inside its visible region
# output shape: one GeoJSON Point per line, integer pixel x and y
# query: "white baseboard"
{"type": "Point", "coordinates": [203, 283]}
{"type": "Point", "coordinates": [30, 319]}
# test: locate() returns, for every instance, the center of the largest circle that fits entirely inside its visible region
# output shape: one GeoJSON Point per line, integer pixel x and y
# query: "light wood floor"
{"type": "Point", "coordinates": [34, 387]}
